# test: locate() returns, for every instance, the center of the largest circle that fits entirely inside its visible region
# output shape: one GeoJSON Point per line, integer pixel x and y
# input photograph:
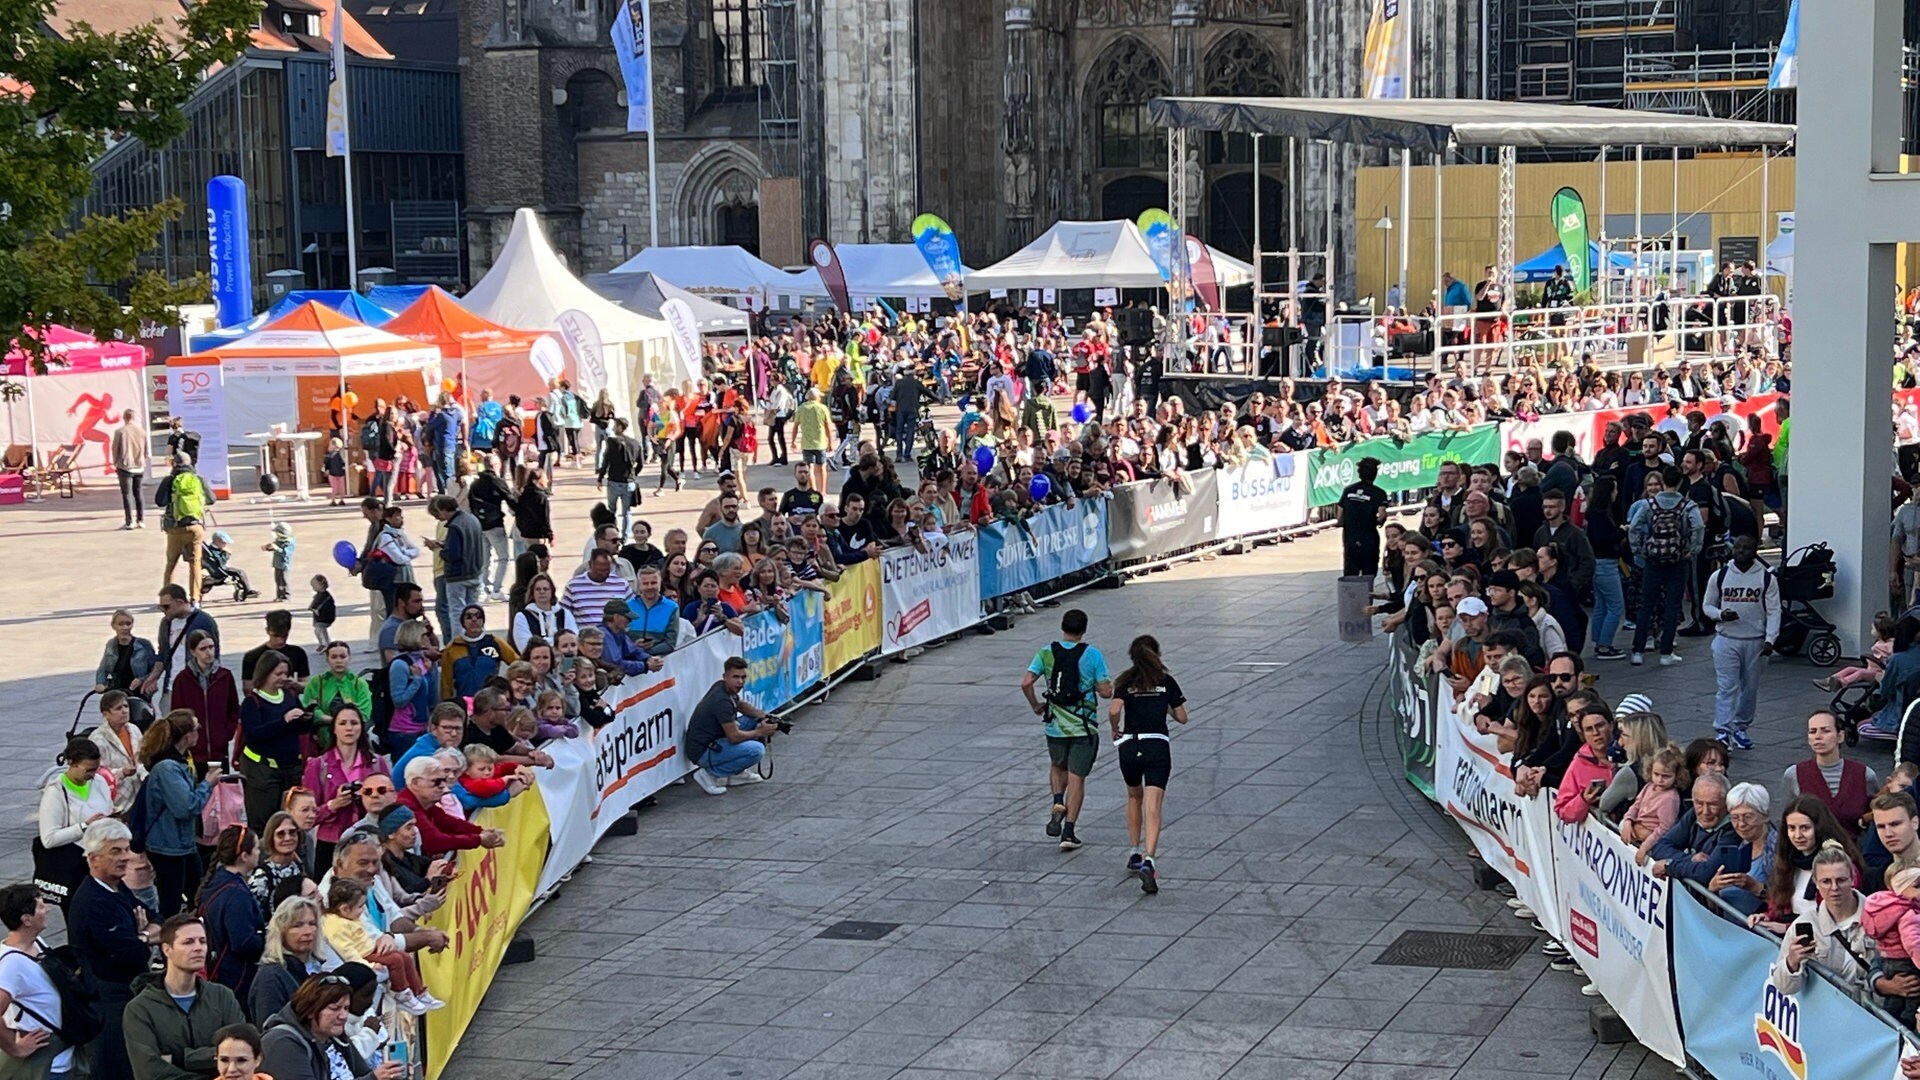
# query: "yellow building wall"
{"type": "Point", "coordinates": [1724, 189]}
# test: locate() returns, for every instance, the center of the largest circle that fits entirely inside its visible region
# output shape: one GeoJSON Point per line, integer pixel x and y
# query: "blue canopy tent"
{"type": "Point", "coordinates": [350, 304]}
{"type": "Point", "coordinates": [396, 298]}
{"type": "Point", "coordinates": [1540, 267]}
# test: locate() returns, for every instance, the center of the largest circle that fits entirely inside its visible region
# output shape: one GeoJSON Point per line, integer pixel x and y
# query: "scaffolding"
{"type": "Point", "coordinates": [779, 82]}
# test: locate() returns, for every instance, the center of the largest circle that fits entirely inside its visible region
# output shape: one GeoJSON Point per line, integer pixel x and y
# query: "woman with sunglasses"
{"type": "Point", "coordinates": [279, 862]}
{"type": "Point", "coordinates": [335, 776]}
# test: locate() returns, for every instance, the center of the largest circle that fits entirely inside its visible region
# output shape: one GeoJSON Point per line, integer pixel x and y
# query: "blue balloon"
{"type": "Point", "coordinates": [983, 459]}
{"type": "Point", "coordinates": [345, 555]}
{"type": "Point", "coordinates": [1040, 487]}
{"type": "Point", "coordinates": [1081, 414]}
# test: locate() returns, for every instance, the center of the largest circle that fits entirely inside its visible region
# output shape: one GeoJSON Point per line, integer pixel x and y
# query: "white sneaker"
{"type": "Point", "coordinates": [708, 783]}
{"type": "Point", "coordinates": [1516, 903]}
{"type": "Point", "coordinates": [406, 1000]}
{"type": "Point", "coordinates": [1637, 659]}
{"type": "Point", "coordinates": [747, 777]}
{"type": "Point", "coordinates": [432, 1003]}
{"type": "Point", "coordinates": [1590, 990]}
{"type": "Point", "coordinates": [1524, 912]}
{"type": "Point", "coordinates": [1669, 659]}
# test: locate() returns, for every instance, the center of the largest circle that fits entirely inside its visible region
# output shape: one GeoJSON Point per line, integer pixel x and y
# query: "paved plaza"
{"type": "Point", "coordinates": [1294, 852]}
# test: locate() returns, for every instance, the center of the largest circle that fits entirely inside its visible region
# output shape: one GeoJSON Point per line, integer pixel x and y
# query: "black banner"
{"type": "Point", "coordinates": [1149, 518]}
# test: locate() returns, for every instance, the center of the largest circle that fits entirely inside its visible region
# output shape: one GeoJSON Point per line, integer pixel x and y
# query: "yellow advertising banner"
{"type": "Point", "coordinates": [486, 902]}
{"type": "Point", "coordinates": [853, 615]}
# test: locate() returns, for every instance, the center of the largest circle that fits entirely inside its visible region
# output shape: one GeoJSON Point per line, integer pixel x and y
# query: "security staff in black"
{"type": "Point", "coordinates": [1144, 698]}
{"type": "Point", "coordinates": [1362, 509]}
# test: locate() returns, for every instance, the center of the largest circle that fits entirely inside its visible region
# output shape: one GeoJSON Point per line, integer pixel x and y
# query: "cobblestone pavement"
{"type": "Point", "coordinates": [1294, 852]}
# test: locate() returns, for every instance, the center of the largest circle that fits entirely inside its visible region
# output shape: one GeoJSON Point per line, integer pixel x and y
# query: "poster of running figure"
{"type": "Point", "coordinates": [75, 414]}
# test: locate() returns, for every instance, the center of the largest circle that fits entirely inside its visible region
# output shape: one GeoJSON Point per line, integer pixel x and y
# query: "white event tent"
{"type": "Point", "coordinates": [877, 270]}
{"type": "Point", "coordinates": [1092, 255]}
{"type": "Point", "coordinates": [727, 272]}
{"type": "Point", "coordinates": [529, 288]}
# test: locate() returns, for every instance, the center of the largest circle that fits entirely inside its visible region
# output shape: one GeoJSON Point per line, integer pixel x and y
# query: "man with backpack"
{"type": "Point", "coordinates": [1701, 483]}
{"type": "Point", "coordinates": [1072, 673]}
{"type": "Point", "coordinates": [185, 501]}
{"type": "Point", "coordinates": [1743, 601]}
{"type": "Point", "coordinates": [1665, 534]}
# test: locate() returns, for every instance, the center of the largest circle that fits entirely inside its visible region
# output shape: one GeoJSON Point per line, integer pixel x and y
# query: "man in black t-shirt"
{"type": "Point", "coordinates": [279, 625]}
{"type": "Point", "coordinates": [1362, 509]}
{"type": "Point", "coordinates": [803, 495]}
{"type": "Point", "coordinates": [721, 748]}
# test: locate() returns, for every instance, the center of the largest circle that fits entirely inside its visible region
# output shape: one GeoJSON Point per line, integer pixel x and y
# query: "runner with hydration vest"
{"type": "Point", "coordinates": [1072, 673]}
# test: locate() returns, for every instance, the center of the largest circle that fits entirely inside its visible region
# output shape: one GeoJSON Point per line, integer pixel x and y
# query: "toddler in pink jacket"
{"type": "Point", "coordinates": [1892, 918]}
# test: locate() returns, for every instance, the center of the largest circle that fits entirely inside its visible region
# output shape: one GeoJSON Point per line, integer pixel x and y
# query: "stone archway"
{"type": "Point", "coordinates": [718, 201]}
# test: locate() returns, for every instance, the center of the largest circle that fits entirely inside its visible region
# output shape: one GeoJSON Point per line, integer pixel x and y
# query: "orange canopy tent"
{"type": "Point", "coordinates": [484, 353]}
{"type": "Point", "coordinates": [288, 371]}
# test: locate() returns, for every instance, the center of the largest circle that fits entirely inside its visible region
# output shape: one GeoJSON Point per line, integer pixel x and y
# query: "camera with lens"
{"type": "Point", "coordinates": [784, 727]}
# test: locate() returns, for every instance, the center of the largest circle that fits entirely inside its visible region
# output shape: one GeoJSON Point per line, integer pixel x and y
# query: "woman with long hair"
{"type": "Point", "coordinates": [174, 802]}
{"type": "Point", "coordinates": [1145, 696]}
{"type": "Point", "coordinates": [541, 614]}
{"type": "Point", "coordinates": [334, 778]}
{"type": "Point", "coordinates": [294, 952]}
{"type": "Point", "coordinates": [236, 927]}
{"type": "Point", "coordinates": [1806, 826]}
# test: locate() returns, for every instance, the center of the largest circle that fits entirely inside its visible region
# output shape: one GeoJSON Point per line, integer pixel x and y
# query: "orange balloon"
{"type": "Point", "coordinates": [449, 385]}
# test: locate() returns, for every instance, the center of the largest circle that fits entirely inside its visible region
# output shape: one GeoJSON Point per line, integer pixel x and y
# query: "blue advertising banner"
{"type": "Point", "coordinates": [229, 249]}
{"type": "Point", "coordinates": [1053, 543]}
{"type": "Point", "coordinates": [1739, 1026]}
{"type": "Point", "coordinates": [784, 658]}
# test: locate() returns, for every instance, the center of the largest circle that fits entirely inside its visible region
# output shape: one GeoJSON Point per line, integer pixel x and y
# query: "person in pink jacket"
{"type": "Point", "coordinates": [1587, 776]}
{"type": "Point", "coordinates": [1657, 806]}
{"type": "Point", "coordinates": [1892, 920]}
{"type": "Point", "coordinates": [334, 778]}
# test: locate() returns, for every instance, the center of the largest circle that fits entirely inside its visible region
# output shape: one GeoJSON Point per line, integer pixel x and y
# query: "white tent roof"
{"type": "Point", "coordinates": [528, 287]}
{"type": "Point", "coordinates": [725, 270]}
{"type": "Point", "coordinates": [885, 270]}
{"type": "Point", "coordinates": [1091, 255]}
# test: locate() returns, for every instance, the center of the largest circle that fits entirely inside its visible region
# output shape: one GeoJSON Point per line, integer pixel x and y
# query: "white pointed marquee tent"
{"type": "Point", "coordinates": [726, 272]}
{"type": "Point", "coordinates": [530, 288]}
{"type": "Point", "coordinates": [885, 270]}
{"type": "Point", "coordinates": [1092, 255]}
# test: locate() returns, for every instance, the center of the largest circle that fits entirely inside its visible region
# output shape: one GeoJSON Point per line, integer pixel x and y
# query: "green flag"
{"type": "Point", "coordinates": [1570, 222]}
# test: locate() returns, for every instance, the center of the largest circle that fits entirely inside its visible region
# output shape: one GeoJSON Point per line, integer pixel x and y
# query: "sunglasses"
{"type": "Point", "coordinates": [365, 791]}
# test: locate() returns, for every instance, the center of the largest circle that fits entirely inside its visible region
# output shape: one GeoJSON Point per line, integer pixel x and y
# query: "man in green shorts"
{"type": "Point", "coordinates": [1061, 687]}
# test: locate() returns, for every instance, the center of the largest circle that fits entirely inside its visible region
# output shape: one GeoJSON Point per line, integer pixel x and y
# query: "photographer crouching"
{"type": "Point", "coordinates": [720, 743]}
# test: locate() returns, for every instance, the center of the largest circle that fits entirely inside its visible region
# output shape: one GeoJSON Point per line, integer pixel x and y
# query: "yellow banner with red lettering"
{"type": "Point", "coordinates": [853, 615]}
{"type": "Point", "coordinates": [489, 896]}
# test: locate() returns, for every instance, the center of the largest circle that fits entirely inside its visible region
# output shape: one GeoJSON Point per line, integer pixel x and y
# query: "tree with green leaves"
{"type": "Point", "coordinates": [66, 92]}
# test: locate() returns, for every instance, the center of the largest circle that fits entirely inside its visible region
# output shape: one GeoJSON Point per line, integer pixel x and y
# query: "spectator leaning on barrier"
{"type": "Point", "coordinates": [1701, 830]}
{"type": "Point", "coordinates": [1830, 935]}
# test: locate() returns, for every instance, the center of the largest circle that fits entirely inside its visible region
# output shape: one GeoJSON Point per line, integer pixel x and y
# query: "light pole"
{"type": "Point", "coordinates": [1385, 225]}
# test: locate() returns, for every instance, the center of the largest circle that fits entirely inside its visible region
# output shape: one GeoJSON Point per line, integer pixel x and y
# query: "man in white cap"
{"type": "Point", "coordinates": [1459, 661]}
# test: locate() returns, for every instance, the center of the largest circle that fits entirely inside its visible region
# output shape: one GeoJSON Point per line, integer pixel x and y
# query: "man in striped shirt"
{"type": "Point", "coordinates": [587, 594]}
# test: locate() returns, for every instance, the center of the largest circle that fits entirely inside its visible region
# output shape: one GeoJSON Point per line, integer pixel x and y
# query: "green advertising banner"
{"type": "Point", "coordinates": [1404, 466]}
{"type": "Point", "coordinates": [1570, 223]}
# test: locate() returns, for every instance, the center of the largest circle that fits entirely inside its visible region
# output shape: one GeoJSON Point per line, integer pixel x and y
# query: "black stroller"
{"type": "Point", "coordinates": [1806, 575]}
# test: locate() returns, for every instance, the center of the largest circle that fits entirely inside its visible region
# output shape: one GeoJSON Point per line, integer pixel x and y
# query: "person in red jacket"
{"type": "Point", "coordinates": [440, 831]}
{"type": "Point", "coordinates": [208, 690]}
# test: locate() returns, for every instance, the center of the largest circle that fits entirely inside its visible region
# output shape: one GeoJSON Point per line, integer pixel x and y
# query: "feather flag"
{"type": "Point", "coordinates": [337, 141]}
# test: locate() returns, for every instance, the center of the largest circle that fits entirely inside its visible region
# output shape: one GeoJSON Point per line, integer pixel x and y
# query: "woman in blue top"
{"type": "Point", "coordinates": [273, 721]}
{"type": "Point", "coordinates": [413, 684]}
{"type": "Point", "coordinates": [173, 805]}
{"type": "Point", "coordinates": [236, 928]}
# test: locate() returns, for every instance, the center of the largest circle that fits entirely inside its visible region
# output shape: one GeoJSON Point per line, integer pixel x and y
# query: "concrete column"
{"type": "Point", "coordinates": [1852, 208]}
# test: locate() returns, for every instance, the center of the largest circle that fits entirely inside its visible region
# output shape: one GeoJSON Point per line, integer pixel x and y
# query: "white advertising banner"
{"type": "Point", "coordinates": [1617, 915]}
{"type": "Point", "coordinates": [197, 397]}
{"type": "Point", "coordinates": [1513, 835]}
{"type": "Point", "coordinates": [78, 410]}
{"type": "Point", "coordinates": [1262, 496]}
{"type": "Point", "coordinates": [582, 337]}
{"type": "Point", "coordinates": [686, 337]}
{"type": "Point", "coordinates": [604, 773]}
{"type": "Point", "coordinates": [924, 596]}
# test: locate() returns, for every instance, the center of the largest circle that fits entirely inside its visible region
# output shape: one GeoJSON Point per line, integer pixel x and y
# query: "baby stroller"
{"type": "Point", "coordinates": [1806, 575]}
{"type": "Point", "coordinates": [216, 572]}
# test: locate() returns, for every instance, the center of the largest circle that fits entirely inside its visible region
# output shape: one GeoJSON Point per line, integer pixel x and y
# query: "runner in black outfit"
{"type": "Point", "coordinates": [1144, 696]}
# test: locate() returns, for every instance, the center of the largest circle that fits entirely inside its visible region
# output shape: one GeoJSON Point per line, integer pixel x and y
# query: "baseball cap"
{"type": "Point", "coordinates": [1472, 605]}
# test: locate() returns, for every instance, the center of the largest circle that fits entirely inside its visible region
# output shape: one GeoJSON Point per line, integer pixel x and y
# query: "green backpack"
{"type": "Point", "coordinates": [188, 499]}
